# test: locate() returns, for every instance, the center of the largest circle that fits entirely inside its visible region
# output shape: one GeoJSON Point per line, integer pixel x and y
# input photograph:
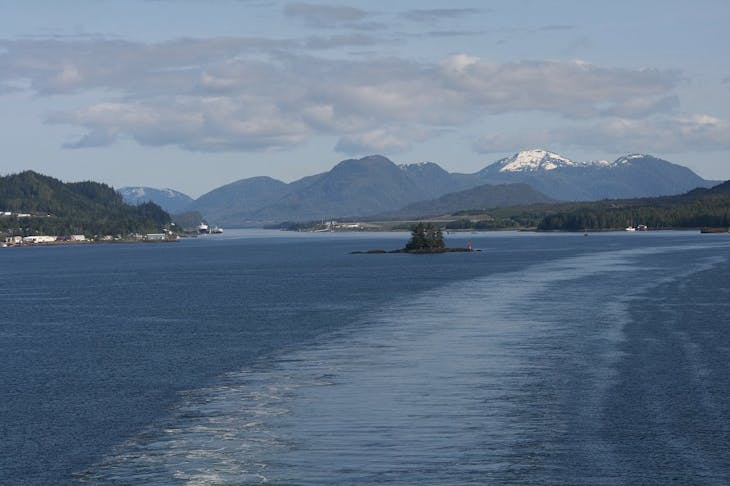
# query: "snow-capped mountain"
{"type": "Point", "coordinates": [633, 175]}
{"type": "Point", "coordinates": [532, 160]}
{"type": "Point", "coordinates": [375, 185]}
{"type": "Point", "coordinates": [170, 200]}
{"type": "Point", "coordinates": [542, 160]}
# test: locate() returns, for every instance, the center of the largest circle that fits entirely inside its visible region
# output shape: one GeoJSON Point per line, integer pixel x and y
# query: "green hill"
{"type": "Point", "coordinates": [58, 208]}
{"type": "Point", "coordinates": [698, 208]}
{"type": "Point", "coordinates": [695, 209]}
{"type": "Point", "coordinates": [480, 197]}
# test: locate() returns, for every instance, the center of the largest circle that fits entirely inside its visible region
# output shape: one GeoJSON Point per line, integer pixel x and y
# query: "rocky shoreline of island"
{"type": "Point", "coordinates": [415, 252]}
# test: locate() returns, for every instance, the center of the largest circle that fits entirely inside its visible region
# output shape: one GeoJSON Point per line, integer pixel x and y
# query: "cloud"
{"type": "Point", "coordinates": [254, 93]}
{"type": "Point", "coordinates": [381, 141]}
{"type": "Point", "coordinates": [95, 137]}
{"type": "Point", "coordinates": [320, 15]}
{"type": "Point", "coordinates": [198, 124]}
{"type": "Point", "coordinates": [665, 134]}
{"type": "Point", "coordinates": [385, 140]}
{"type": "Point", "coordinates": [438, 14]}
{"type": "Point", "coordinates": [62, 67]}
{"type": "Point", "coordinates": [575, 89]}
{"type": "Point", "coordinates": [69, 66]}
{"type": "Point", "coordinates": [556, 27]}
{"type": "Point", "coordinates": [453, 33]}
{"type": "Point", "coordinates": [333, 41]}
{"type": "Point", "coordinates": [500, 142]}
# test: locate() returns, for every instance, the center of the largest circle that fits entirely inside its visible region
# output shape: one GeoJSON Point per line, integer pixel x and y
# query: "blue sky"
{"type": "Point", "coordinates": [195, 94]}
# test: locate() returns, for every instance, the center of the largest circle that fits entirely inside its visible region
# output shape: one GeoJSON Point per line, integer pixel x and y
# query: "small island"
{"type": "Point", "coordinates": [425, 238]}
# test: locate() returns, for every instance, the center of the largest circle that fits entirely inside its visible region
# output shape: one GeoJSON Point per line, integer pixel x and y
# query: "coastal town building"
{"type": "Point", "coordinates": [40, 239]}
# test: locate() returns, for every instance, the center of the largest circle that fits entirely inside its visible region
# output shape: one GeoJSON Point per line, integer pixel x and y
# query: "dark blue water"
{"type": "Point", "coordinates": [544, 359]}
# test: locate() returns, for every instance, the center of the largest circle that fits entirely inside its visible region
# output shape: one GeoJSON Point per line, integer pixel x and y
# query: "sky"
{"type": "Point", "coordinates": [193, 94]}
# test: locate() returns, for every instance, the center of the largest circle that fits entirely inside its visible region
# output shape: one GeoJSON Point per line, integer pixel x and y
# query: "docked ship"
{"type": "Point", "coordinates": [204, 229]}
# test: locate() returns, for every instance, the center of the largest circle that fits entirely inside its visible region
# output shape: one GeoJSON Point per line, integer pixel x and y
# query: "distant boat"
{"type": "Point", "coordinates": [216, 230]}
{"type": "Point", "coordinates": [630, 228]}
{"type": "Point", "coordinates": [642, 227]}
{"type": "Point", "coordinates": [203, 229]}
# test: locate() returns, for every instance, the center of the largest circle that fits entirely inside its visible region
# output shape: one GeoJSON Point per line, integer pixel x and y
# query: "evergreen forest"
{"type": "Point", "coordinates": [52, 207]}
{"type": "Point", "coordinates": [425, 237]}
{"type": "Point", "coordinates": [696, 209]}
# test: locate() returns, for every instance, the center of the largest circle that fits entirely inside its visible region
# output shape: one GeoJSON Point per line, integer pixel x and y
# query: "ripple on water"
{"type": "Point", "coordinates": [502, 378]}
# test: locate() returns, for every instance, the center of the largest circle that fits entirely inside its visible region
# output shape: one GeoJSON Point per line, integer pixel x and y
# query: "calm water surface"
{"type": "Point", "coordinates": [281, 359]}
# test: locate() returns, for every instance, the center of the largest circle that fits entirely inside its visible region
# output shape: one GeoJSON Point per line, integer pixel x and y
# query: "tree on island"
{"type": "Point", "coordinates": [425, 237]}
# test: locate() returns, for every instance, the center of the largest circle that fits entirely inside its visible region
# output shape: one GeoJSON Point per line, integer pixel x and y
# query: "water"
{"type": "Point", "coordinates": [250, 359]}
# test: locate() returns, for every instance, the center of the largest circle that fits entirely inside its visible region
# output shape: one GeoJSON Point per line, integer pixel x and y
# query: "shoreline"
{"type": "Point", "coordinates": [85, 242]}
{"type": "Point", "coordinates": [414, 252]}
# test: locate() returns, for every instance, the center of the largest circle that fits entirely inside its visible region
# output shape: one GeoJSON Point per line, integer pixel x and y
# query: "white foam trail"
{"type": "Point", "coordinates": [425, 386]}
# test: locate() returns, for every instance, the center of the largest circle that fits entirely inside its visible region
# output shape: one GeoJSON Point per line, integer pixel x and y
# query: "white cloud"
{"type": "Point", "coordinates": [385, 140]}
{"type": "Point", "coordinates": [320, 15]}
{"type": "Point", "coordinates": [379, 141]}
{"type": "Point", "coordinates": [502, 142]}
{"type": "Point", "coordinates": [575, 89]}
{"type": "Point", "coordinates": [664, 133]}
{"type": "Point", "coordinates": [438, 14]}
{"type": "Point", "coordinates": [254, 94]}
{"type": "Point", "coordinates": [198, 124]}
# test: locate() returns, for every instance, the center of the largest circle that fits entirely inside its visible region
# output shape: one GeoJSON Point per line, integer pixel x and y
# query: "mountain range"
{"type": "Point", "coordinates": [634, 175]}
{"type": "Point", "coordinates": [374, 185]}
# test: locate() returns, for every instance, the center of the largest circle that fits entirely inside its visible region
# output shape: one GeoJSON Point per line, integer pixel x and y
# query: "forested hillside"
{"type": "Point", "coordinates": [49, 206]}
{"type": "Point", "coordinates": [695, 209]}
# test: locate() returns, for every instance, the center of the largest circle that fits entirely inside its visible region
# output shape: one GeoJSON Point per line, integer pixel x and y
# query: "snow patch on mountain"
{"type": "Point", "coordinates": [599, 163]}
{"type": "Point", "coordinates": [143, 192]}
{"type": "Point", "coordinates": [171, 193]}
{"type": "Point", "coordinates": [169, 199]}
{"type": "Point", "coordinates": [626, 159]}
{"type": "Point", "coordinates": [532, 160]}
{"type": "Point", "coordinates": [417, 165]}
{"type": "Point", "coordinates": [542, 160]}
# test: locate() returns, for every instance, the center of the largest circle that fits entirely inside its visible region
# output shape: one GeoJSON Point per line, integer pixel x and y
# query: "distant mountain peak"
{"type": "Point", "coordinates": [169, 199]}
{"type": "Point", "coordinates": [375, 158]}
{"type": "Point", "coordinates": [417, 164]}
{"type": "Point", "coordinates": [532, 160]}
{"type": "Point", "coordinates": [422, 167]}
{"type": "Point", "coordinates": [367, 161]}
